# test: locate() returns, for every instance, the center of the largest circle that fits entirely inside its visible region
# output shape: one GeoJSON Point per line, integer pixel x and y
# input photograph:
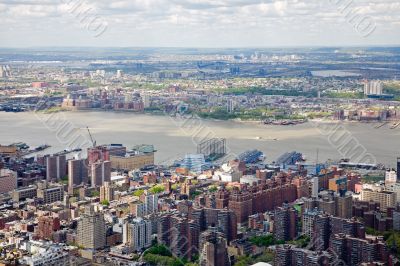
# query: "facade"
{"type": "Point", "coordinates": [384, 198]}
{"type": "Point", "coordinates": [24, 193]}
{"type": "Point", "coordinates": [285, 223]}
{"type": "Point", "coordinates": [137, 234]}
{"type": "Point", "coordinates": [133, 161]}
{"type": "Point", "coordinates": [150, 201]}
{"type": "Point", "coordinates": [100, 173]}
{"type": "Point", "coordinates": [373, 88]}
{"type": "Point", "coordinates": [47, 225]}
{"type": "Point", "coordinates": [56, 167]}
{"type": "Point", "coordinates": [106, 192]}
{"type": "Point", "coordinates": [91, 231]}
{"type": "Point", "coordinates": [213, 249]}
{"type": "Point", "coordinates": [77, 172]}
{"type": "Point", "coordinates": [390, 177]}
{"type": "Point", "coordinates": [50, 193]}
{"type": "Point", "coordinates": [8, 180]}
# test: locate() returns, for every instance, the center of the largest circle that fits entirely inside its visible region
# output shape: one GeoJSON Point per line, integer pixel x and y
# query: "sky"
{"type": "Point", "coordinates": [199, 23]}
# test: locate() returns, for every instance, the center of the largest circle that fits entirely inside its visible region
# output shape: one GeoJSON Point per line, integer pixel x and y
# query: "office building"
{"type": "Point", "coordinates": [213, 249]}
{"type": "Point", "coordinates": [50, 193]}
{"type": "Point", "coordinates": [137, 234]}
{"type": "Point", "coordinates": [100, 173]}
{"type": "Point", "coordinates": [56, 167]}
{"type": "Point", "coordinates": [106, 192]}
{"type": "Point", "coordinates": [91, 231]}
{"type": "Point", "coordinates": [24, 193]}
{"type": "Point", "coordinates": [77, 172]}
{"type": "Point", "coordinates": [8, 180]}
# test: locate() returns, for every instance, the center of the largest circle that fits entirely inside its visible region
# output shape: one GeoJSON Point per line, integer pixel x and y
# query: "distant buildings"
{"type": "Point", "coordinates": [91, 231]}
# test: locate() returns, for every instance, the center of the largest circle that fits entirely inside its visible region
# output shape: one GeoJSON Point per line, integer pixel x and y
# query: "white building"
{"type": "Point", "coordinates": [390, 177]}
{"type": "Point", "coordinates": [151, 202]}
{"type": "Point", "coordinates": [137, 234]}
{"type": "Point", "coordinates": [373, 88]}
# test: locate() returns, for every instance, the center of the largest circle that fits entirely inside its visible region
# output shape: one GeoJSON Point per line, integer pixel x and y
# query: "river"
{"type": "Point", "coordinates": [173, 140]}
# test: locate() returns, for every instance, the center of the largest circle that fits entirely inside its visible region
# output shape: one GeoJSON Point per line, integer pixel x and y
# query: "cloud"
{"type": "Point", "coordinates": [199, 22]}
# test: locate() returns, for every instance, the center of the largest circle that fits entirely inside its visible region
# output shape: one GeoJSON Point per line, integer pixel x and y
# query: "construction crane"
{"type": "Point", "coordinates": [91, 138]}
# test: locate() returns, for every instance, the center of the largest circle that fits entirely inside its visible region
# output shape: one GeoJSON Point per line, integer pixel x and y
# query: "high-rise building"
{"type": "Point", "coordinates": [354, 251]}
{"type": "Point", "coordinates": [344, 206]}
{"type": "Point", "coordinates": [77, 172]}
{"type": "Point", "coordinates": [321, 232]}
{"type": "Point", "coordinates": [285, 223]}
{"type": "Point", "coordinates": [8, 180]}
{"type": "Point", "coordinates": [213, 249]}
{"type": "Point", "coordinates": [91, 231]}
{"type": "Point", "coordinates": [100, 173]}
{"type": "Point", "coordinates": [56, 167]}
{"type": "Point", "coordinates": [137, 234]}
{"type": "Point", "coordinates": [150, 201]}
{"type": "Point", "coordinates": [308, 221]}
{"type": "Point", "coordinates": [106, 192]}
{"type": "Point", "coordinates": [384, 198]}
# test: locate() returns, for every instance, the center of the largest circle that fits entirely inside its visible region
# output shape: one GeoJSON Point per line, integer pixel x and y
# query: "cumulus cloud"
{"type": "Point", "coordinates": [198, 22]}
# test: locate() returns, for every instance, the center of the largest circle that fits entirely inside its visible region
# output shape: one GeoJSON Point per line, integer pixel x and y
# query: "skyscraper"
{"type": "Point", "coordinates": [77, 172]}
{"type": "Point", "coordinates": [91, 231]}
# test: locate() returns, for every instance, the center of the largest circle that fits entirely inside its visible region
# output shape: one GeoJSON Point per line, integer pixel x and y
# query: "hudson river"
{"type": "Point", "coordinates": [173, 138]}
